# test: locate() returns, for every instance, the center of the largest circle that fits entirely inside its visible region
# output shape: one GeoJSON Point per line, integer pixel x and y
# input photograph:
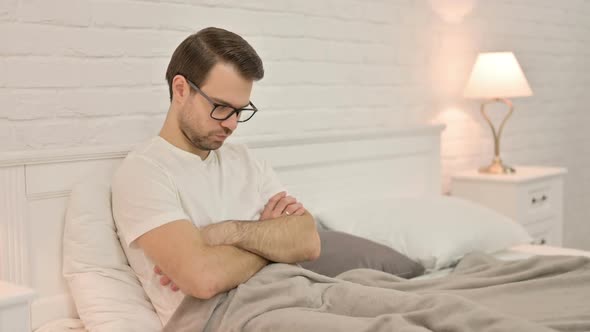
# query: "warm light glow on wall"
{"type": "Point", "coordinates": [452, 11]}
{"type": "Point", "coordinates": [462, 129]}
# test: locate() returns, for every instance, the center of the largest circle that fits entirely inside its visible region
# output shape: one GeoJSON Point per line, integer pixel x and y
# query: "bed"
{"type": "Point", "coordinates": [318, 168]}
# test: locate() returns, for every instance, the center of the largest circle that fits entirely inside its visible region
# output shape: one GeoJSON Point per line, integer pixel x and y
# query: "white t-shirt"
{"type": "Point", "coordinates": [158, 183]}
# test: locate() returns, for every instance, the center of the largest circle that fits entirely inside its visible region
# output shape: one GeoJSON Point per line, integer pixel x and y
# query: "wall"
{"type": "Point", "coordinates": [91, 72]}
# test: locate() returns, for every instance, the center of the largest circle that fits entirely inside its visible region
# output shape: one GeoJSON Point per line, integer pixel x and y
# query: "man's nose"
{"type": "Point", "coordinates": [231, 123]}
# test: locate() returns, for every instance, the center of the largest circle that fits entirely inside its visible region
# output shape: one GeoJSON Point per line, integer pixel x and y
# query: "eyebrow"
{"type": "Point", "coordinates": [221, 101]}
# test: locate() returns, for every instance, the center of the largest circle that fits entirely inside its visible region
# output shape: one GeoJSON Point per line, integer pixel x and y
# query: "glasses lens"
{"type": "Point", "coordinates": [245, 114]}
{"type": "Point", "coordinates": [223, 112]}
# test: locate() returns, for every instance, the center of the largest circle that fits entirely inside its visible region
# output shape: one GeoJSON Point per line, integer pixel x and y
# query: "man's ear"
{"type": "Point", "coordinates": [180, 89]}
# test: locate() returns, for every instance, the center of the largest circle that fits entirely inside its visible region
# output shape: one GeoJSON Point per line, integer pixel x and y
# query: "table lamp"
{"type": "Point", "coordinates": [495, 77]}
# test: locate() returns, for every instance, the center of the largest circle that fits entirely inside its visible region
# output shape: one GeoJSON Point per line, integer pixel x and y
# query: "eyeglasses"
{"type": "Point", "coordinates": [222, 112]}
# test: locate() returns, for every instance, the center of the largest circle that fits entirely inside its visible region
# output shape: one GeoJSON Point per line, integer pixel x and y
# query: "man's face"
{"type": "Point", "coordinates": [224, 85]}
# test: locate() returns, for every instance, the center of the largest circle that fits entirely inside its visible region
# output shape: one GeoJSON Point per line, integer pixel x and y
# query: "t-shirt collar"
{"type": "Point", "coordinates": [209, 159]}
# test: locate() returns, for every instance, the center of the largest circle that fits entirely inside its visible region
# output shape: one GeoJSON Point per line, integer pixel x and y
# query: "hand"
{"type": "Point", "coordinates": [164, 280]}
{"type": "Point", "coordinates": [280, 204]}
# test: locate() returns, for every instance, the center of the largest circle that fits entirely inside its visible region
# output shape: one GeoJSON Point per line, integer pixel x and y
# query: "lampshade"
{"type": "Point", "coordinates": [496, 75]}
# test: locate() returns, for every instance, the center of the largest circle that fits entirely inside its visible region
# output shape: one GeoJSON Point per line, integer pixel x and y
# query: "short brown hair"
{"type": "Point", "coordinates": [197, 54]}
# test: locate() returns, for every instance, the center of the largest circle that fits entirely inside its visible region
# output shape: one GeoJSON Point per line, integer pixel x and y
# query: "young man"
{"type": "Point", "coordinates": [207, 215]}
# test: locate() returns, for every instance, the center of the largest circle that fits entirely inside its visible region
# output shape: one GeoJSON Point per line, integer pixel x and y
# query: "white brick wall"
{"type": "Point", "coordinates": [81, 72]}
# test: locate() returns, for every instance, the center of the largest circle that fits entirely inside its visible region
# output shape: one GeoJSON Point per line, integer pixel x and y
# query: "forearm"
{"type": "Point", "coordinates": [287, 239]}
{"type": "Point", "coordinates": [200, 269]}
{"type": "Point", "coordinates": [228, 266]}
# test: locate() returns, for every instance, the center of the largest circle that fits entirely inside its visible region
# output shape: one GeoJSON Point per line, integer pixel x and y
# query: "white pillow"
{"type": "Point", "coordinates": [106, 291]}
{"type": "Point", "coordinates": [435, 231]}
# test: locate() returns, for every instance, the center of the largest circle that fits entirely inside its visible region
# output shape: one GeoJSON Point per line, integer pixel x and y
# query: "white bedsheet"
{"type": "Point", "coordinates": [518, 253]}
{"type": "Point", "coordinates": [521, 252]}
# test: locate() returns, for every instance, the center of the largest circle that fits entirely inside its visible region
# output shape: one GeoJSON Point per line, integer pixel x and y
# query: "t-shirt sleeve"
{"type": "Point", "coordinates": [143, 197]}
{"type": "Point", "coordinates": [270, 183]}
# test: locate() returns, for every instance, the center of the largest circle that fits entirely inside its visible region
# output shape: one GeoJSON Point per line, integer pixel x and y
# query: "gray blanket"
{"type": "Point", "coordinates": [481, 294]}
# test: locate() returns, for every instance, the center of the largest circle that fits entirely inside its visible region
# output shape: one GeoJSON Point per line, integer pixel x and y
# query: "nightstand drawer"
{"type": "Point", "coordinates": [539, 200]}
{"type": "Point", "coordinates": [15, 318]}
{"type": "Point", "coordinates": [540, 230]}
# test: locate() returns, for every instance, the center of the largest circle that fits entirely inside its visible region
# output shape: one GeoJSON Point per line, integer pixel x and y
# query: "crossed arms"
{"type": "Point", "coordinates": [213, 259]}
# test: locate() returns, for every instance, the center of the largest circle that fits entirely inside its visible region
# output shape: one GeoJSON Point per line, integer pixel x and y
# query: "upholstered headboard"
{"type": "Point", "coordinates": [317, 168]}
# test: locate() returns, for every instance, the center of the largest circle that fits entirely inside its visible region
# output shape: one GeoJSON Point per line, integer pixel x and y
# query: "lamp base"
{"type": "Point", "coordinates": [496, 167]}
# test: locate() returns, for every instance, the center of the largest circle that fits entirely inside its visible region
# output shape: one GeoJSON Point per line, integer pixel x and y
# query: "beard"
{"type": "Point", "coordinates": [202, 142]}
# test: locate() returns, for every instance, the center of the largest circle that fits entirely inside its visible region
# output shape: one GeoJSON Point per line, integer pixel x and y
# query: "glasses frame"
{"type": "Point", "coordinates": [215, 105]}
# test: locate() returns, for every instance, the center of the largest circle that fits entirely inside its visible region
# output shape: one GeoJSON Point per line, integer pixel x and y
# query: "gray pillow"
{"type": "Point", "coordinates": [342, 252]}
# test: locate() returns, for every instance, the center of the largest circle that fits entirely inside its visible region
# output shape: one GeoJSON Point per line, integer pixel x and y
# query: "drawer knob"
{"type": "Point", "coordinates": [536, 200]}
{"type": "Point", "coordinates": [540, 241]}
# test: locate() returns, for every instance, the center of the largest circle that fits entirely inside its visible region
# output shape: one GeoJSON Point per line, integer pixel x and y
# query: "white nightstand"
{"type": "Point", "coordinates": [15, 307]}
{"type": "Point", "coordinates": [533, 196]}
